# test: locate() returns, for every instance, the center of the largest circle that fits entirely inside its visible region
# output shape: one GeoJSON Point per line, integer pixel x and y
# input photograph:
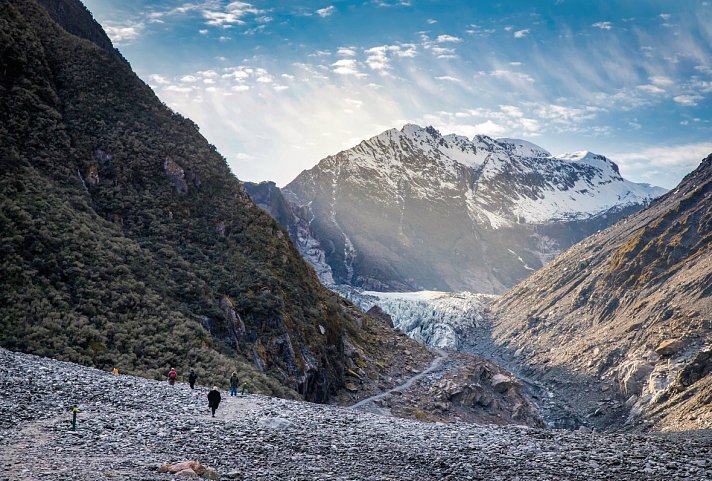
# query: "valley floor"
{"type": "Point", "coordinates": [128, 426]}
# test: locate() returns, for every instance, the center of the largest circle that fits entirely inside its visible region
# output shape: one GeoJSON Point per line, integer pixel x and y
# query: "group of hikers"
{"type": "Point", "coordinates": [214, 394]}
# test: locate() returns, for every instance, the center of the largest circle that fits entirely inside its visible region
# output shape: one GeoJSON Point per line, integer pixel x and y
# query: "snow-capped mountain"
{"type": "Point", "coordinates": [412, 209]}
{"type": "Point", "coordinates": [440, 319]}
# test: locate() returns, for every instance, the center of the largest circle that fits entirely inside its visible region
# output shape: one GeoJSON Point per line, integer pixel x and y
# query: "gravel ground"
{"type": "Point", "coordinates": [128, 426]}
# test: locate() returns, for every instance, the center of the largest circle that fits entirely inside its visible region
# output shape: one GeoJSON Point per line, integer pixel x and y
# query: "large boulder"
{"type": "Point", "coordinates": [502, 383]}
{"type": "Point", "coordinates": [669, 347]}
{"type": "Point", "coordinates": [189, 469]}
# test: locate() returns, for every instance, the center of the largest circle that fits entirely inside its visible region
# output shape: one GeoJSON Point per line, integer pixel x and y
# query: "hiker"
{"type": "Point", "coordinates": [214, 399]}
{"type": "Point", "coordinates": [192, 377]}
{"type": "Point", "coordinates": [172, 375]}
{"type": "Point", "coordinates": [114, 371]}
{"type": "Point", "coordinates": [234, 381]}
{"type": "Point", "coordinates": [244, 387]}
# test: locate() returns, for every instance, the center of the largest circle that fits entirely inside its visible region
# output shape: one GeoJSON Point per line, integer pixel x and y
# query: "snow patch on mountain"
{"type": "Point", "coordinates": [523, 148]}
{"type": "Point", "coordinates": [573, 186]}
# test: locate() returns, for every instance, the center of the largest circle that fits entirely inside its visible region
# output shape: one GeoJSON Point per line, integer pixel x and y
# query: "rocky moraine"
{"type": "Point", "coordinates": [128, 426]}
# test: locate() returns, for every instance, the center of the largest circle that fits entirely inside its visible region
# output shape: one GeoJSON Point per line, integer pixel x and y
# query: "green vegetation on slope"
{"type": "Point", "coordinates": [125, 239]}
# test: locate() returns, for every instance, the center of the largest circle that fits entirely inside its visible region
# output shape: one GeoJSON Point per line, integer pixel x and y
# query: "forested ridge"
{"type": "Point", "coordinates": [127, 242]}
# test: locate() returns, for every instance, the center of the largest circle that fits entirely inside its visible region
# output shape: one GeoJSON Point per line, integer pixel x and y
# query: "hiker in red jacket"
{"type": "Point", "coordinates": [172, 375]}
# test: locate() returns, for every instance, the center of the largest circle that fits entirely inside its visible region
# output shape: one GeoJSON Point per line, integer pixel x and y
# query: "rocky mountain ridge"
{"type": "Point", "coordinates": [626, 315]}
{"type": "Point", "coordinates": [412, 209]}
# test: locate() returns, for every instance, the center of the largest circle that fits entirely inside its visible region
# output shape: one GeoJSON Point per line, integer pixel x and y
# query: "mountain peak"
{"type": "Point", "coordinates": [523, 148]}
{"type": "Point", "coordinates": [591, 158]}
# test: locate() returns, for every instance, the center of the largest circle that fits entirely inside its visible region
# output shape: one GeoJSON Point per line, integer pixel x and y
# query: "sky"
{"type": "Point", "coordinates": [277, 86]}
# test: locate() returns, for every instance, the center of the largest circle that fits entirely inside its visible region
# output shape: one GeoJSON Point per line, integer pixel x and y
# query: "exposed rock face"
{"type": "Point", "coordinates": [414, 210]}
{"type": "Point", "coordinates": [629, 308]}
{"type": "Point", "coordinates": [377, 313]}
{"type": "Point", "coordinates": [296, 221]}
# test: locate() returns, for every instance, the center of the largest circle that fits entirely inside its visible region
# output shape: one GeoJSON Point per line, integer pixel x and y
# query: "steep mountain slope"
{"type": "Point", "coordinates": [297, 221]}
{"type": "Point", "coordinates": [414, 210]}
{"type": "Point", "coordinates": [127, 242]}
{"type": "Point", "coordinates": [626, 314]}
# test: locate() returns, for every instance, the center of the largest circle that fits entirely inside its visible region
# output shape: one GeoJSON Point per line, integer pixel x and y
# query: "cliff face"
{"type": "Point", "coordinates": [126, 240]}
{"type": "Point", "coordinates": [629, 311]}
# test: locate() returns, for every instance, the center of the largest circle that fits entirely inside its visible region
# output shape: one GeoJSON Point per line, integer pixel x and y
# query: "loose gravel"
{"type": "Point", "coordinates": [128, 426]}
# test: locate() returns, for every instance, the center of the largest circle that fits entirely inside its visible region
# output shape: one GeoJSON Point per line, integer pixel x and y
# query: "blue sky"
{"type": "Point", "coordinates": [277, 86]}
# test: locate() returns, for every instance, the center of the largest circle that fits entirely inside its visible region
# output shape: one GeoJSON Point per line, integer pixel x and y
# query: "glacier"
{"type": "Point", "coordinates": [439, 319]}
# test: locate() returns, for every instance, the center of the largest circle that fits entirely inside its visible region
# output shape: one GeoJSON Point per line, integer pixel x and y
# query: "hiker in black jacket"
{"type": "Point", "coordinates": [192, 377]}
{"type": "Point", "coordinates": [214, 399]}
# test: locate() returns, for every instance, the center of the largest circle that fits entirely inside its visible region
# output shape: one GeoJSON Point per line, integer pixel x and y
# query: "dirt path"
{"type": "Point", "coordinates": [368, 403]}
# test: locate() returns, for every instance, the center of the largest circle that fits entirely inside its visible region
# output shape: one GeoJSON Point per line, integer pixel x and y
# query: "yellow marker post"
{"type": "Point", "coordinates": [74, 417]}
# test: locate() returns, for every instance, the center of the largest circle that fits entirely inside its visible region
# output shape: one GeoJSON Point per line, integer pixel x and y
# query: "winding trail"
{"type": "Point", "coordinates": [434, 365]}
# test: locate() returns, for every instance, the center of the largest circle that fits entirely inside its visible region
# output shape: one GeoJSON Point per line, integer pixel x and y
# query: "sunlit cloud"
{"type": "Point", "coordinates": [603, 25]}
{"type": "Point", "coordinates": [158, 79]}
{"type": "Point", "coordinates": [687, 100]}
{"type": "Point", "coordinates": [521, 33]}
{"type": "Point", "coordinates": [325, 12]}
{"type": "Point", "coordinates": [347, 67]}
{"type": "Point", "coordinates": [379, 58]}
{"type": "Point", "coordinates": [656, 161]}
{"type": "Point", "coordinates": [448, 39]}
{"type": "Point", "coordinates": [448, 78]}
{"type": "Point", "coordinates": [124, 34]}
{"type": "Point", "coordinates": [651, 89]}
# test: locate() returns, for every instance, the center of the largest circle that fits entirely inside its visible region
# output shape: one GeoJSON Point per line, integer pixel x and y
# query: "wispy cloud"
{"type": "Point", "coordinates": [124, 34]}
{"type": "Point", "coordinates": [448, 78]}
{"type": "Point", "coordinates": [327, 11]}
{"type": "Point", "coordinates": [379, 58]}
{"type": "Point", "coordinates": [687, 100]}
{"type": "Point", "coordinates": [651, 89]}
{"type": "Point", "coordinates": [509, 75]}
{"type": "Point", "coordinates": [664, 164]}
{"type": "Point", "coordinates": [347, 66]}
{"type": "Point", "coordinates": [521, 33]}
{"type": "Point", "coordinates": [603, 25]}
{"type": "Point", "coordinates": [448, 39]}
{"type": "Point", "coordinates": [158, 79]}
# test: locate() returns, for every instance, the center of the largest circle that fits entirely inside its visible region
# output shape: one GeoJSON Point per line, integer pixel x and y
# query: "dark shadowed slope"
{"type": "Point", "coordinates": [628, 310]}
